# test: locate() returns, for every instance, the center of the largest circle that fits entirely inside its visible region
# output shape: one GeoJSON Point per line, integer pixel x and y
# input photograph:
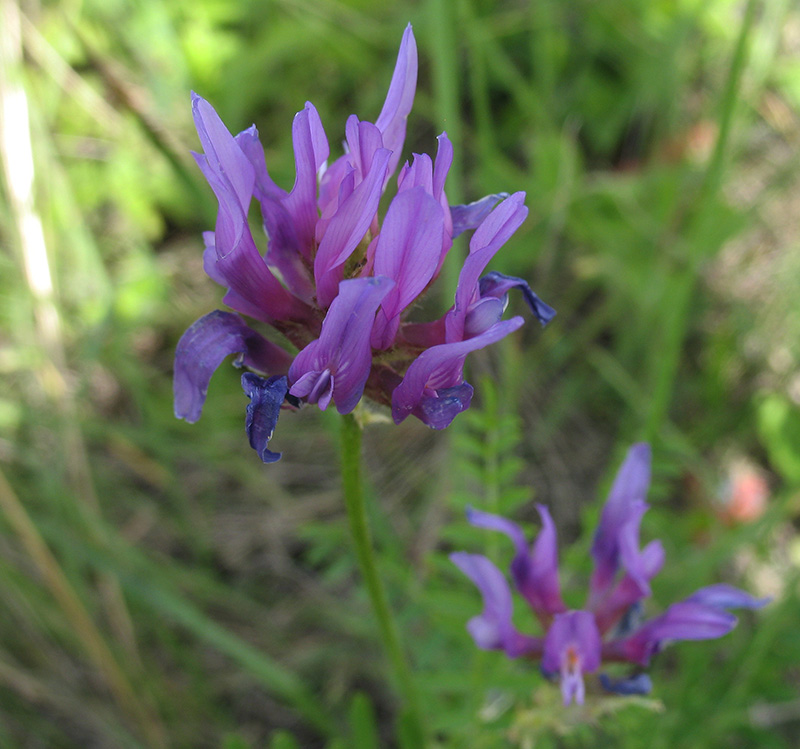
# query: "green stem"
{"type": "Point", "coordinates": [353, 487]}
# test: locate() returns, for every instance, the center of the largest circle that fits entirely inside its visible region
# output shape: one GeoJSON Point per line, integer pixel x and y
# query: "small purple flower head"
{"type": "Point", "coordinates": [336, 280]}
{"type": "Point", "coordinates": [609, 628]}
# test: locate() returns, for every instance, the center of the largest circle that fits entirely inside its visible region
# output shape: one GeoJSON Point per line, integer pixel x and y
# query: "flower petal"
{"type": "Point", "coordinates": [408, 252]}
{"type": "Point", "coordinates": [535, 571]}
{"type": "Point", "coordinates": [201, 350]}
{"type": "Point", "coordinates": [399, 99]}
{"type": "Point", "coordinates": [722, 596]}
{"type": "Point", "coordinates": [636, 684]}
{"type": "Point", "coordinates": [681, 621]}
{"type": "Point", "coordinates": [310, 152]}
{"type": "Point", "coordinates": [630, 487]}
{"type": "Point", "coordinates": [492, 629]}
{"type": "Point", "coordinates": [342, 349]}
{"type": "Point", "coordinates": [490, 236]}
{"type": "Point", "coordinates": [572, 647]}
{"type": "Point", "coordinates": [470, 216]}
{"type": "Point", "coordinates": [439, 368]}
{"type": "Point", "coordinates": [347, 228]}
{"type": "Point", "coordinates": [266, 397]}
{"type": "Point", "coordinates": [497, 285]}
{"type": "Point", "coordinates": [238, 260]}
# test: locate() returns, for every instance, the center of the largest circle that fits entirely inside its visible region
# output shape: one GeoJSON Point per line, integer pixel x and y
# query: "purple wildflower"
{"type": "Point", "coordinates": [337, 281]}
{"type": "Point", "coordinates": [608, 629]}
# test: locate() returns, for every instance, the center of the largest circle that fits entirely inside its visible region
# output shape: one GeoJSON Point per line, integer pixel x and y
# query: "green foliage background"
{"type": "Point", "coordinates": [159, 586]}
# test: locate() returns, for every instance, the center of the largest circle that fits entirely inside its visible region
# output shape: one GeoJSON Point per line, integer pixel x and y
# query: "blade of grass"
{"type": "Point", "coordinates": [80, 620]}
{"type": "Point", "coordinates": [679, 298]}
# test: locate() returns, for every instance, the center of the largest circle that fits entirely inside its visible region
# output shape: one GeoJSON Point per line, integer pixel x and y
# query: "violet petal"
{"type": "Point", "coordinates": [470, 216]}
{"type": "Point", "coordinates": [681, 621]}
{"type": "Point", "coordinates": [347, 228]}
{"type": "Point", "coordinates": [399, 99]}
{"type": "Point", "coordinates": [490, 236]}
{"type": "Point", "coordinates": [493, 629]}
{"type": "Point", "coordinates": [441, 367]}
{"type": "Point", "coordinates": [407, 252]}
{"type": "Point", "coordinates": [310, 152]}
{"type": "Point", "coordinates": [572, 647]}
{"type": "Point", "coordinates": [343, 345]}
{"type": "Point", "coordinates": [630, 486]}
{"type": "Point", "coordinates": [202, 349]}
{"type": "Point", "coordinates": [722, 596]}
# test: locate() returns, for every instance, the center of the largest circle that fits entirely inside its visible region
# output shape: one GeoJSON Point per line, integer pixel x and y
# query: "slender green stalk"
{"type": "Point", "coordinates": [353, 487]}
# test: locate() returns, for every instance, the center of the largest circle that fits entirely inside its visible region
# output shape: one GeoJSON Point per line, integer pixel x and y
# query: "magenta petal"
{"type": "Point", "coordinates": [535, 571]}
{"type": "Point", "coordinates": [442, 367]}
{"type": "Point", "coordinates": [251, 147]}
{"type": "Point", "coordinates": [342, 351]}
{"type": "Point", "coordinates": [399, 99]}
{"type": "Point", "coordinates": [722, 596]}
{"type": "Point", "coordinates": [224, 156]}
{"type": "Point", "coordinates": [238, 260]}
{"type": "Point", "coordinates": [572, 647]}
{"type": "Point", "coordinates": [363, 142]}
{"type": "Point", "coordinates": [202, 349]}
{"type": "Point", "coordinates": [681, 621]}
{"type": "Point", "coordinates": [347, 228]}
{"type": "Point", "coordinates": [408, 253]}
{"type": "Point", "coordinates": [310, 152]}
{"type": "Point", "coordinates": [629, 488]}
{"type": "Point", "coordinates": [634, 585]}
{"type": "Point", "coordinates": [492, 629]}
{"type": "Point", "coordinates": [491, 235]}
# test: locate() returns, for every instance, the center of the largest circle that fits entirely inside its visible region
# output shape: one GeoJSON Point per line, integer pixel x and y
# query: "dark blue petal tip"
{"type": "Point", "coordinates": [266, 397]}
{"type": "Point", "coordinates": [498, 285]}
{"type": "Point", "coordinates": [638, 684]}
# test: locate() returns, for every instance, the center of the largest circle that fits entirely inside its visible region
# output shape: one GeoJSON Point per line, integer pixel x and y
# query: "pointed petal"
{"type": "Point", "coordinates": [490, 236]}
{"type": "Point", "coordinates": [681, 621]}
{"type": "Point", "coordinates": [399, 99]}
{"type": "Point", "coordinates": [497, 285]}
{"type": "Point", "coordinates": [630, 487]}
{"type": "Point", "coordinates": [343, 345]}
{"type": "Point", "coordinates": [266, 397]}
{"type": "Point", "coordinates": [535, 571]}
{"type": "Point", "coordinates": [251, 147]}
{"type": "Point", "coordinates": [722, 596]}
{"type": "Point", "coordinates": [363, 142]}
{"type": "Point", "coordinates": [202, 349]}
{"type": "Point", "coordinates": [310, 152]}
{"type": "Point", "coordinates": [470, 216]}
{"type": "Point", "coordinates": [633, 587]}
{"type": "Point", "coordinates": [347, 228]}
{"type": "Point", "coordinates": [441, 367]}
{"type": "Point", "coordinates": [222, 152]}
{"type": "Point", "coordinates": [238, 261]}
{"type": "Point", "coordinates": [492, 629]}
{"type": "Point", "coordinates": [407, 252]}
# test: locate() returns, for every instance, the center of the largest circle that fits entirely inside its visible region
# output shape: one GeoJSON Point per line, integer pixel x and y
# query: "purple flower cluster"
{"type": "Point", "coordinates": [336, 281]}
{"type": "Point", "coordinates": [609, 628]}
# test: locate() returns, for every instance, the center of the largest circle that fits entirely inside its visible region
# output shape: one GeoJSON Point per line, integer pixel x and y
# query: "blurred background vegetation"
{"type": "Point", "coordinates": [159, 586]}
